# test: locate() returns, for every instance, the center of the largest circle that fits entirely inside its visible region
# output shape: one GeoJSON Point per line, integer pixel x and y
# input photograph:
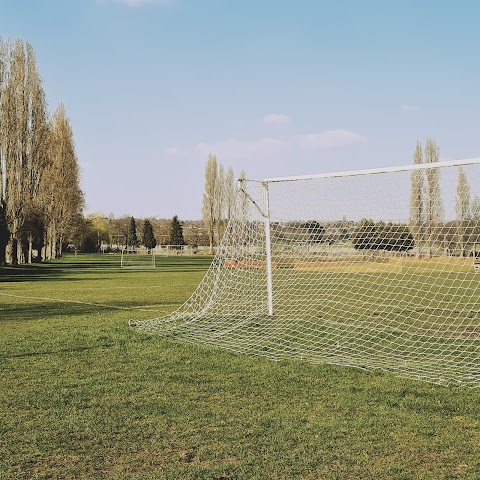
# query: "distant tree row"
{"type": "Point", "coordinates": [370, 235]}
{"type": "Point", "coordinates": [40, 196]}
{"type": "Point", "coordinates": [427, 222]}
{"type": "Point", "coordinates": [148, 238]}
{"type": "Point", "coordinates": [102, 233]}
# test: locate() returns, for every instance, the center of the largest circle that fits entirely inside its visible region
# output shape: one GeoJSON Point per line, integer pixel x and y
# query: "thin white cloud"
{"type": "Point", "coordinates": [240, 149]}
{"type": "Point", "coordinates": [172, 151]}
{"type": "Point", "coordinates": [410, 108]}
{"type": "Point", "coordinates": [329, 139]}
{"type": "Point", "coordinates": [266, 148]}
{"type": "Point", "coordinates": [138, 3]}
{"type": "Point", "coordinates": [276, 118]}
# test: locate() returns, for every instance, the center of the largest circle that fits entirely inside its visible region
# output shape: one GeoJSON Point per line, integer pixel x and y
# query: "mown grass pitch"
{"type": "Point", "coordinates": [82, 395]}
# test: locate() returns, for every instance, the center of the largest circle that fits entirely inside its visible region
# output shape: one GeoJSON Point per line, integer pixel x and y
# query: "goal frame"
{"type": "Point", "coordinates": [349, 173]}
{"type": "Point", "coordinates": [135, 251]}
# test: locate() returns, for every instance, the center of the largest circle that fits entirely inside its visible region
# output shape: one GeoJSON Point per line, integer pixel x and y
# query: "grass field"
{"type": "Point", "coordinates": [85, 396]}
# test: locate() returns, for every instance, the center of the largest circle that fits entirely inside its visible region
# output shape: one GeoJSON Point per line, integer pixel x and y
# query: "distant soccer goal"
{"type": "Point", "coordinates": [137, 258]}
{"type": "Point", "coordinates": [374, 269]}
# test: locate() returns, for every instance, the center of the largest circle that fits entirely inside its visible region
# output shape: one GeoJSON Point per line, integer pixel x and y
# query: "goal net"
{"type": "Point", "coordinates": [137, 258]}
{"type": "Point", "coordinates": [374, 269]}
{"type": "Point", "coordinates": [172, 250]}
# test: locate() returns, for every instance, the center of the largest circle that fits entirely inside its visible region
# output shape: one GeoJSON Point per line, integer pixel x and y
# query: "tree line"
{"type": "Point", "coordinates": [148, 239]}
{"type": "Point", "coordinates": [100, 233]}
{"type": "Point", "coordinates": [427, 227]}
{"type": "Point", "coordinates": [40, 196]}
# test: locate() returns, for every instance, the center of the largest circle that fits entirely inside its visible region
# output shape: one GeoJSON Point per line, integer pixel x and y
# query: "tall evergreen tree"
{"type": "Point", "coordinates": [176, 232]}
{"type": "Point", "coordinates": [148, 237]}
{"type": "Point", "coordinates": [132, 240]}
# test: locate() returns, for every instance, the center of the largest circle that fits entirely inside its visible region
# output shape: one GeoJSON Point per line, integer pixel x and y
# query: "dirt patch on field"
{"type": "Point", "coordinates": [385, 265]}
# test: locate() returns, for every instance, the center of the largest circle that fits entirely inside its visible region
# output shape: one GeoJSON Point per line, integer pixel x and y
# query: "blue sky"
{"type": "Point", "coordinates": [273, 87]}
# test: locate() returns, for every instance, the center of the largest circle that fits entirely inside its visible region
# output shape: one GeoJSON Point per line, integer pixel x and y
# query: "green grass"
{"type": "Point", "coordinates": [84, 396]}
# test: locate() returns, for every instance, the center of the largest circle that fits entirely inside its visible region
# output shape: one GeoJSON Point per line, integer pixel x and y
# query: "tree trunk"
{"type": "Point", "coordinates": [14, 251]}
{"type": "Point", "coordinates": [3, 255]}
{"type": "Point", "coordinates": [30, 249]}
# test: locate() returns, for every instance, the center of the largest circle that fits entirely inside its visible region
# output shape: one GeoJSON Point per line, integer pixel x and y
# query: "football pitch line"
{"type": "Point", "coordinates": [144, 308]}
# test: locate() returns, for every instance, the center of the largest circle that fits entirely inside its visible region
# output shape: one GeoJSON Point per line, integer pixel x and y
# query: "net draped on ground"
{"type": "Point", "coordinates": [371, 270]}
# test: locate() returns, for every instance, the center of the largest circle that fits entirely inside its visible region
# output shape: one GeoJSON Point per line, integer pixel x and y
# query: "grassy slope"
{"type": "Point", "coordinates": [84, 396]}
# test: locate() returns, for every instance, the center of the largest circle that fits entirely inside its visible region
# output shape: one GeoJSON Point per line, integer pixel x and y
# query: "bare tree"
{"type": "Point", "coordinates": [34, 155]}
{"type": "Point", "coordinates": [62, 194]}
{"type": "Point", "coordinates": [220, 201]}
{"type": "Point", "coordinates": [434, 212]}
{"type": "Point", "coordinates": [13, 142]}
{"type": "Point", "coordinates": [462, 207]}
{"type": "Point", "coordinates": [3, 76]}
{"type": "Point", "coordinates": [417, 197]}
{"type": "Point", "coordinates": [22, 125]}
{"type": "Point", "coordinates": [209, 200]}
{"type": "Point", "coordinates": [4, 231]}
{"type": "Point", "coordinates": [36, 160]}
{"type": "Point", "coordinates": [230, 193]}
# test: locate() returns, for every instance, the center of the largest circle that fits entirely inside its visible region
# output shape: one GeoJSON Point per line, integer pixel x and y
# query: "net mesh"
{"type": "Point", "coordinates": [374, 271]}
{"type": "Point", "coordinates": [137, 258]}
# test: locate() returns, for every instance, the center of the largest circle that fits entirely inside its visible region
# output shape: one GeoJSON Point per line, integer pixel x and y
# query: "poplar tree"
{"type": "Point", "coordinates": [462, 207]}
{"type": "Point", "coordinates": [39, 179]}
{"type": "Point", "coordinates": [243, 198]}
{"type": "Point", "coordinates": [209, 199]}
{"type": "Point", "coordinates": [14, 143]}
{"type": "Point", "coordinates": [416, 197]}
{"type": "Point", "coordinates": [37, 161]}
{"type": "Point", "coordinates": [4, 233]}
{"type": "Point", "coordinates": [230, 193]}
{"type": "Point", "coordinates": [434, 205]}
{"type": "Point", "coordinates": [22, 141]}
{"type": "Point", "coordinates": [219, 202]}
{"type": "Point", "coordinates": [62, 196]}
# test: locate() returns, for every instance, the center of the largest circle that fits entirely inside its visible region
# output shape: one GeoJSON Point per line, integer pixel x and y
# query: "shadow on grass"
{"type": "Point", "coordinates": [59, 351]}
{"type": "Point", "coordinates": [58, 308]}
{"type": "Point", "coordinates": [68, 268]}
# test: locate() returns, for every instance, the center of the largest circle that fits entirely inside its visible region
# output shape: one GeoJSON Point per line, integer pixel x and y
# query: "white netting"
{"type": "Point", "coordinates": [370, 270]}
{"type": "Point", "coordinates": [137, 258]}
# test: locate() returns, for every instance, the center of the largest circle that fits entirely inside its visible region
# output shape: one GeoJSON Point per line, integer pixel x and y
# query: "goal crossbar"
{"type": "Point", "coordinates": [375, 171]}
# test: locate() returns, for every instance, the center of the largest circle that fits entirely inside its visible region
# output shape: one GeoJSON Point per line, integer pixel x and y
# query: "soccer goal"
{"type": "Point", "coordinates": [137, 258]}
{"type": "Point", "coordinates": [374, 269]}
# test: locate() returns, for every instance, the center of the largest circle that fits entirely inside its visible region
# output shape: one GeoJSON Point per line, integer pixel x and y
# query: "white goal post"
{"type": "Point", "coordinates": [374, 269]}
